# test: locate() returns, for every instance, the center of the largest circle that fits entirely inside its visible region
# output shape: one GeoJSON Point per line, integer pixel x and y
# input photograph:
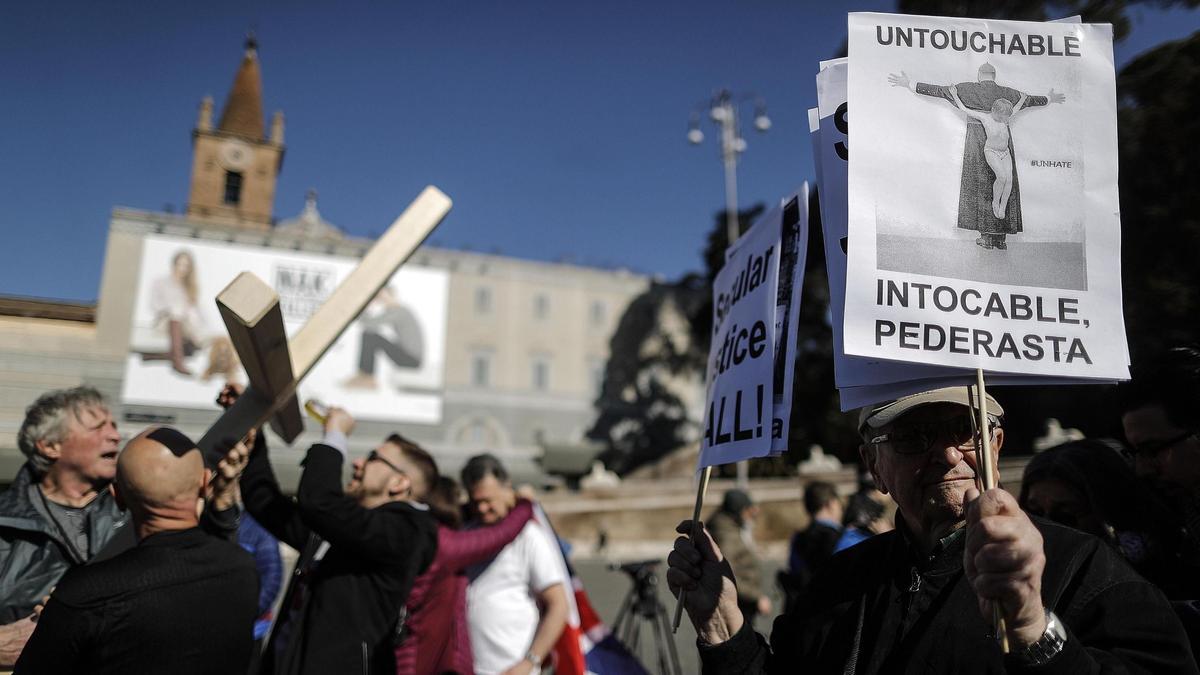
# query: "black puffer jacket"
{"type": "Point", "coordinates": [33, 555]}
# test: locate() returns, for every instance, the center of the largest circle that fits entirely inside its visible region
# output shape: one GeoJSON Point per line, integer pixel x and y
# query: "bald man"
{"type": "Point", "coordinates": [179, 602]}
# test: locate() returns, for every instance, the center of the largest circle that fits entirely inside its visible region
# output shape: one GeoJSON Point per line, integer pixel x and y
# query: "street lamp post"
{"type": "Point", "coordinates": [723, 110]}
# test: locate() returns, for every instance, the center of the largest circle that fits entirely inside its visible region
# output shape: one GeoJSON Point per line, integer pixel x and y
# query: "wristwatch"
{"type": "Point", "coordinates": [533, 658]}
{"type": "Point", "coordinates": [1048, 645]}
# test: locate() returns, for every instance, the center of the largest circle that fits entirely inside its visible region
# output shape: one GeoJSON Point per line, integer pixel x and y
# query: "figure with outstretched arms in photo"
{"type": "Point", "coordinates": [995, 146]}
{"type": "Point", "coordinates": [976, 187]}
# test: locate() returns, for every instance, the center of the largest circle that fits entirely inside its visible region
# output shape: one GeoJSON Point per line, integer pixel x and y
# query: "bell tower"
{"type": "Point", "coordinates": [235, 165]}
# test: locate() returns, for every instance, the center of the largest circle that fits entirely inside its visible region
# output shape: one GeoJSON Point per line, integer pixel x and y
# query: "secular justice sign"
{"type": "Point", "coordinates": [756, 298]}
{"type": "Point", "coordinates": [984, 227]}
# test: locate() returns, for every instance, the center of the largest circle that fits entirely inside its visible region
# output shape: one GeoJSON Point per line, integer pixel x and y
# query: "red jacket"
{"type": "Point", "coordinates": [437, 639]}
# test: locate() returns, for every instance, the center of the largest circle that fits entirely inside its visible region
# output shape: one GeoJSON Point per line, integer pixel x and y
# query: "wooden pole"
{"type": "Point", "coordinates": [695, 534]}
{"type": "Point", "coordinates": [987, 474]}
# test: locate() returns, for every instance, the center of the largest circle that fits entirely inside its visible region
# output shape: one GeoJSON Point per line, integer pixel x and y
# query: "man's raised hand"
{"type": "Point", "coordinates": [1055, 97]}
{"type": "Point", "coordinates": [229, 394]}
{"type": "Point", "coordinates": [339, 420]}
{"type": "Point", "coordinates": [900, 80]}
{"type": "Point", "coordinates": [224, 491]}
{"type": "Point", "coordinates": [711, 593]}
{"type": "Point", "coordinates": [1004, 561]}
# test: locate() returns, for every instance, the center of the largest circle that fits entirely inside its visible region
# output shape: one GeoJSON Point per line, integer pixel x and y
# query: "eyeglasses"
{"type": "Point", "coordinates": [1152, 448]}
{"type": "Point", "coordinates": [918, 439]}
{"type": "Point", "coordinates": [374, 456]}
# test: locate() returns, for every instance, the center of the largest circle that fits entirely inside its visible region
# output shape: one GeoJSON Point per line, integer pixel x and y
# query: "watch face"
{"type": "Point", "coordinates": [235, 155]}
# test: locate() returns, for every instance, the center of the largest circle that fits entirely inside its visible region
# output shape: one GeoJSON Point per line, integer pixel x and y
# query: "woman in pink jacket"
{"type": "Point", "coordinates": [436, 639]}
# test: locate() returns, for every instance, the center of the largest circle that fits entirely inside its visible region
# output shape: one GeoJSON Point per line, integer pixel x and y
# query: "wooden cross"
{"type": "Point", "coordinates": [274, 366]}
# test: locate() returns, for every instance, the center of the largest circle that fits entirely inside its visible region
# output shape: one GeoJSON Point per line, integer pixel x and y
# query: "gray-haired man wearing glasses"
{"type": "Point", "coordinates": [919, 599]}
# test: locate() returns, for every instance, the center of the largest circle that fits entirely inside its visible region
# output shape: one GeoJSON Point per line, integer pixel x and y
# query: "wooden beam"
{"type": "Point", "coordinates": [250, 309]}
{"type": "Point", "coordinates": [351, 296]}
{"type": "Point", "coordinates": [251, 312]}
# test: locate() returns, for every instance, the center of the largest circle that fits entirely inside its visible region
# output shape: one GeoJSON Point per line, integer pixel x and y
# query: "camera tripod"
{"type": "Point", "coordinates": [641, 607]}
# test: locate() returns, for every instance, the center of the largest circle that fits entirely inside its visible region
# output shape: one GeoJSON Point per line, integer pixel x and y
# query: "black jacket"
{"type": "Point", "coordinates": [811, 548]}
{"type": "Point", "coordinates": [344, 617]}
{"type": "Point", "coordinates": [33, 555]}
{"type": "Point", "coordinates": [880, 608]}
{"type": "Point", "coordinates": [180, 602]}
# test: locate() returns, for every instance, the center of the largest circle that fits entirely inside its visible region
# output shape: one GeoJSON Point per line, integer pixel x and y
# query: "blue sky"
{"type": "Point", "coordinates": [557, 127]}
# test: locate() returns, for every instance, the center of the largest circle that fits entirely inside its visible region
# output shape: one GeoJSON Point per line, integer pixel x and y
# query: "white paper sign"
{"type": "Point", "coordinates": [833, 147]}
{"type": "Point", "coordinates": [740, 372]}
{"type": "Point", "coordinates": [983, 197]}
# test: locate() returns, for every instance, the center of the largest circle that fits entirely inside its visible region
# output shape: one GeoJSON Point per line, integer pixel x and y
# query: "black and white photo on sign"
{"type": "Point", "coordinates": [983, 224]}
{"type": "Point", "coordinates": [1005, 167]}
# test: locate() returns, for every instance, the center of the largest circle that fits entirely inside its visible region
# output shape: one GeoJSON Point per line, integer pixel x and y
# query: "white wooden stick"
{"type": "Point", "coordinates": [987, 470]}
{"type": "Point", "coordinates": [324, 327]}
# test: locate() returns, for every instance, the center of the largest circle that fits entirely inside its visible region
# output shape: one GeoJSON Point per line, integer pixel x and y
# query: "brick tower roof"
{"type": "Point", "coordinates": [243, 113]}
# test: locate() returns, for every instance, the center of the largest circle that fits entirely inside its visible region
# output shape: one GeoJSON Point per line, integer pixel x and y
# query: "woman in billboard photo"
{"type": "Point", "coordinates": [173, 302]}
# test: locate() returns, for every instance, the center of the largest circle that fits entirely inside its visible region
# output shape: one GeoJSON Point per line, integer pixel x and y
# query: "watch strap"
{"type": "Point", "coordinates": [1048, 645]}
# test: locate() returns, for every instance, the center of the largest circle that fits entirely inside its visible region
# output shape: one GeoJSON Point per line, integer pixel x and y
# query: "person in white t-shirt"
{"type": "Point", "coordinates": [516, 602]}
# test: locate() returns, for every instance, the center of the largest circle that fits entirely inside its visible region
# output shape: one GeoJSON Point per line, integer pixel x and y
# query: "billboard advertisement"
{"type": "Point", "coordinates": [387, 366]}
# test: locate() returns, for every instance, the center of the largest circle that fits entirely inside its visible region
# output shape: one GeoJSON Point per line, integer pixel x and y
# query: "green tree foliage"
{"type": "Point", "coordinates": [1159, 132]}
{"type": "Point", "coordinates": [642, 414]}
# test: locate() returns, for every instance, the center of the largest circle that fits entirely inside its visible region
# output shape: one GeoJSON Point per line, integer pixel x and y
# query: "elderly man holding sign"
{"type": "Point", "coordinates": [920, 598]}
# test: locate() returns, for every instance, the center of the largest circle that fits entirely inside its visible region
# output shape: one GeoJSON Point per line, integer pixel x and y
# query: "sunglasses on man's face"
{"type": "Point", "coordinates": [1152, 448]}
{"type": "Point", "coordinates": [921, 437]}
{"type": "Point", "coordinates": [374, 456]}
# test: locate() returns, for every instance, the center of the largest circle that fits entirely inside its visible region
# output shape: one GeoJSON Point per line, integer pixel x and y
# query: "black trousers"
{"type": "Point", "coordinates": [373, 343]}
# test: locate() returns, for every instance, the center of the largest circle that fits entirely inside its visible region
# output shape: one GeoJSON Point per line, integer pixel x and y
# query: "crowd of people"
{"type": "Point", "coordinates": [156, 557]}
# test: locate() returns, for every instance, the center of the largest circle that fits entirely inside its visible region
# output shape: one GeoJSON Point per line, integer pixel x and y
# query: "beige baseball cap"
{"type": "Point", "coordinates": [883, 413]}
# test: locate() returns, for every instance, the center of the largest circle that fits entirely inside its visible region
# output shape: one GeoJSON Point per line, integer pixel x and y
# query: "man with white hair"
{"type": "Point", "coordinates": [58, 511]}
{"type": "Point", "coordinates": [180, 601]}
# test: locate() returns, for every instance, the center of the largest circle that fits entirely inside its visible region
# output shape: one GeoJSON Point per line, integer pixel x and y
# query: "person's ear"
{"type": "Point", "coordinates": [49, 450]}
{"type": "Point", "coordinates": [399, 486]}
{"type": "Point", "coordinates": [870, 458]}
{"type": "Point", "coordinates": [997, 440]}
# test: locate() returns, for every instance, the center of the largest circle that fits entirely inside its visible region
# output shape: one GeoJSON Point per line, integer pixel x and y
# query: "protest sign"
{"type": "Point", "coordinates": [833, 148]}
{"type": "Point", "coordinates": [741, 370]}
{"type": "Point", "coordinates": [862, 381]}
{"type": "Point", "coordinates": [793, 247]}
{"type": "Point", "coordinates": [980, 240]}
